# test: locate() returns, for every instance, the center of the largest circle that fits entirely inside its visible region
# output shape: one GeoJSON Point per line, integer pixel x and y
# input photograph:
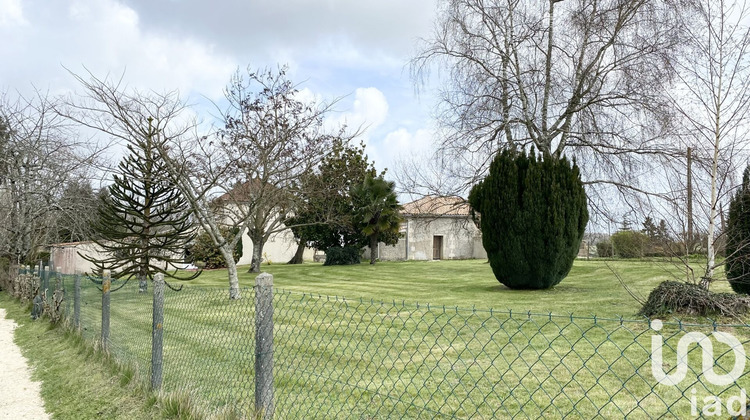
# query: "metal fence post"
{"type": "Point", "coordinates": [77, 301]}
{"type": "Point", "coordinates": [45, 284]}
{"type": "Point", "coordinates": [106, 285]}
{"type": "Point", "coordinates": [157, 333]}
{"type": "Point", "coordinates": [40, 272]}
{"type": "Point", "coordinates": [264, 407]}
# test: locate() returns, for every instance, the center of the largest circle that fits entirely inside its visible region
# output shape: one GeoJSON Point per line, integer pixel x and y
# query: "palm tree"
{"type": "Point", "coordinates": [376, 212]}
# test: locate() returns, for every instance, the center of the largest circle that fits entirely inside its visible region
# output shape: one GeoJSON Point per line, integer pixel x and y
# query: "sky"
{"type": "Point", "coordinates": [354, 50]}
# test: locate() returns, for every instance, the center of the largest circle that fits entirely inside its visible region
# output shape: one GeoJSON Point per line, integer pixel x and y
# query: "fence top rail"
{"type": "Point", "coordinates": [509, 313]}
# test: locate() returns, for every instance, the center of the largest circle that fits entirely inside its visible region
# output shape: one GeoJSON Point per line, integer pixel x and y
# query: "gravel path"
{"type": "Point", "coordinates": [19, 396]}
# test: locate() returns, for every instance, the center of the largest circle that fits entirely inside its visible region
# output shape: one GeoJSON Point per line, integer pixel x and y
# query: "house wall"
{"type": "Point", "coordinates": [67, 260]}
{"type": "Point", "coordinates": [279, 248]}
{"type": "Point", "coordinates": [461, 239]}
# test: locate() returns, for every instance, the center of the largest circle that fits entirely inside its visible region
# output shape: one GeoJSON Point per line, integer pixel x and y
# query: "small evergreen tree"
{"type": "Point", "coordinates": [532, 214]}
{"type": "Point", "coordinates": [325, 218]}
{"type": "Point", "coordinates": [737, 262]}
{"type": "Point", "coordinates": [143, 224]}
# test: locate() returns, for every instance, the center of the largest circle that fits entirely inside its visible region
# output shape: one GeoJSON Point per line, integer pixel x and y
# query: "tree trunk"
{"type": "Point", "coordinates": [297, 258]}
{"type": "Point", "coordinates": [257, 253]}
{"type": "Point", "coordinates": [234, 282]}
{"type": "Point", "coordinates": [142, 283]}
{"type": "Point", "coordinates": [373, 248]}
{"type": "Point", "coordinates": [709, 277]}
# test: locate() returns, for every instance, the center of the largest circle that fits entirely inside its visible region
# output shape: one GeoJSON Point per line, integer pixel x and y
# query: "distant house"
{"type": "Point", "coordinates": [436, 228]}
{"type": "Point", "coordinates": [280, 246]}
{"type": "Point", "coordinates": [66, 257]}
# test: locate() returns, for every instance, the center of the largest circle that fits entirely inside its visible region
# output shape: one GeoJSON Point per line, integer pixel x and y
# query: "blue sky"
{"type": "Point", "coordinates": [358, 50]}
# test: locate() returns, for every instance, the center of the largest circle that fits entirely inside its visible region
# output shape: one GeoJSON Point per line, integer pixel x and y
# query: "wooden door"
{"type": "Point", "coordinates": [437, 247]}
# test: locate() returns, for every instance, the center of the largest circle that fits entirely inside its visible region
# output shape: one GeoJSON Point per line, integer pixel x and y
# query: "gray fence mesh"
{"type": "Point", "coordinates": [339, 358]}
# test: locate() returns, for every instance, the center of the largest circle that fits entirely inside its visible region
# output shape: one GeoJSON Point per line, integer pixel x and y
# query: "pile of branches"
{"type": "Point", "coordinates": [674, 297]}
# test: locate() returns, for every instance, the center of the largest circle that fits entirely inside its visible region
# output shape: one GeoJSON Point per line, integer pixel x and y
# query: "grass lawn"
{"type": "Point", "coordinates": [391, 358]}
{"type": "Point", "coordinates": [591, 288]}
{"type": "Point", "coordinates": [77, 382]}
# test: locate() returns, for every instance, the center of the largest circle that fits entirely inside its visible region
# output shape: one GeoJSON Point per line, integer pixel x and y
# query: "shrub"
{"type": "Point", "coordinates": [737, 261]}
{"type": "Point", "coordinates": [204, 251]}
{"type": "Point", "coordinates": [629, 243]}
{"type": "Point", "coordinates": [347, 255]}
{"type": "Point", "coordinates": [604, 249]}
{"type": "Point", "coordinates": [532, 213]}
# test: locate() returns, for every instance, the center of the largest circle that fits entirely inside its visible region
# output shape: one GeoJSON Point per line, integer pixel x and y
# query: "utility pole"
{"type": "Point", "coordinates": [689, 238]}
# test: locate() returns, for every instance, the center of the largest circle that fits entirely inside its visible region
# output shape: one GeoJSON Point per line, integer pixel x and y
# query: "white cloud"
{"type": "Point", "coordinates": [405, 142]}
{"type": "Point", "coordinates": [11, 13]}
{"type": "Point", "coordinates": [107, 38]}
{"type": "Point", "coordinates": [369, 110]}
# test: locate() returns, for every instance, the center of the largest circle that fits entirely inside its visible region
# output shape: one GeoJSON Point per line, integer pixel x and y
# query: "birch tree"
{"type": "Point", "coordinates": [578, 77]}
{"type": "Point", "coordinates": [712, 96]}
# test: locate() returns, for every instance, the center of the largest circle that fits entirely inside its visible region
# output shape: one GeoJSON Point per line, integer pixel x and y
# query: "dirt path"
{"type": "Point", "coordinates": [19, 396]}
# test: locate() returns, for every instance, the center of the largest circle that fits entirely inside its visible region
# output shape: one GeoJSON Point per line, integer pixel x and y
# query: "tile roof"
{"type": "Point", "coordinates": [437, 206]}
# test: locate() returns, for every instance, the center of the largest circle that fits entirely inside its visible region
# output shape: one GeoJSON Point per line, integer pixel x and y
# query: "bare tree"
{"type": "Point", "coordinates": [577, 77]}
{"type": "Point", "coordinates": [712, 96]}
{"type": "Point", "coordinates": [273, 138]}
{"type": "Point", "coordinates": [39, 154]}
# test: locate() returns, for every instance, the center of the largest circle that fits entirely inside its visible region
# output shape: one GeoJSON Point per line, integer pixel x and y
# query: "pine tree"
{"type": "Point", "coordinates": [532, 213]}
{"type": "Point", "coordinates": [143, 224]}
{"type": "Point", "coordinates": [737, 262]}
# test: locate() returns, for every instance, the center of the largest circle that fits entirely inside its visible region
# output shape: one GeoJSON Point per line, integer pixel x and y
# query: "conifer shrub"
{"type": "Point", "coordinates": [532, 214]}
{"type": "Point", "coordinates": [737, 263]}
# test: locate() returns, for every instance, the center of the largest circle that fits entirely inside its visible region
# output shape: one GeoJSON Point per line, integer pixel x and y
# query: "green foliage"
{"type": "Point", "coordinates": [143, 224]}
{"type": "Point", "coordinates": [325, 218]}
{"type": "Point", "coordinates": [78, 205]}
{"type": "Point", "coordinates": [204, 252]}
{"type": "Point", "coordinates": [532, 213]}
{"type": "Point", "coordinates": [347, 255]}
{"type": "Point", "coordinates": [738, 238]}
{"type": "Point", "coordinates": [604, 249]}
{"type": "Point", "coordinates": [658, 242]}
{"type": "Point", "coordinates": [376, 212]}
{"type": "Point", "coordinates": [629, 243]}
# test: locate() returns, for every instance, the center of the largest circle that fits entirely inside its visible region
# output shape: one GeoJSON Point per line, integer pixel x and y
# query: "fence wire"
{"type": "Point", "coordinates": [340, 358]}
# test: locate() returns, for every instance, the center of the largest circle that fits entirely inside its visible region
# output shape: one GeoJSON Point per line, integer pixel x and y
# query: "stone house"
{"type": "Point", "coordinates": [435, 228]}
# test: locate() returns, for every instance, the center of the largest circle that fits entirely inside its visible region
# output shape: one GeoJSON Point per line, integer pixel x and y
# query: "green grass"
{"type": "Point", "coordinates": [77, 382]}
{"type": "Point", "coordinates": [592, 287]}
{"type": "Point", "coordinates": [352, 357]}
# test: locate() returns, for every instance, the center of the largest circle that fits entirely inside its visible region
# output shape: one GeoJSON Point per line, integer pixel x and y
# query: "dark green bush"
{"type": "Point", "coordinates": [203, 251]}
{"type": "Point", "coordinates": [737, 261]}
{"type": "Point", "coordinates": [629, 243]}
{"type": "Point", "coordinates": [604, 249]}
{"type": "Point", "coordinates": [532, 213]}
{"type": "Point", "coordinates": [347, 255]}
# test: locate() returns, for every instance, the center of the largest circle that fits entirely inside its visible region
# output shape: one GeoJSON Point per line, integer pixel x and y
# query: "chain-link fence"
{"type": "Point", "coordinates": [338, 358]}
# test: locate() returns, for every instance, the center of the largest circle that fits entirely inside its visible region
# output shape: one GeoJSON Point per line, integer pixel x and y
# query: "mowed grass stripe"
{"type": "Point", "coordinates": [339, 358]}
